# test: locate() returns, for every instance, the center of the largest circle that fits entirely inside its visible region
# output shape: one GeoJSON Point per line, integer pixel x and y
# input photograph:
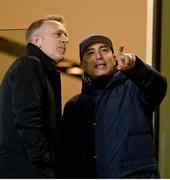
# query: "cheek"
{"type": "Point", "coordinates": [112, 61]}
{"type": "Point", "coordinates": [88, 66]}
{"type": "Point", "coordinates": [85, 67]}
{"type": "Point", "coordinates": [111, 67]}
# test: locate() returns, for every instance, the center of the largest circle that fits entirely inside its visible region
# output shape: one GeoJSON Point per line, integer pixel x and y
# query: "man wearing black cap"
{"type": "Point", "coordinates": [107, 128]}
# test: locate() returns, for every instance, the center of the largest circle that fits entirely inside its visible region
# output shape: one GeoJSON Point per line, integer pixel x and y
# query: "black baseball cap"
{"type": "Point", "coordinates": [93, 38]}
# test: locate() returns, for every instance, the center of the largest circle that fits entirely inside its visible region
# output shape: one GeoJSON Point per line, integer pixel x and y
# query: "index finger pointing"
{"type": "Point", "coordinates": [120, 50]}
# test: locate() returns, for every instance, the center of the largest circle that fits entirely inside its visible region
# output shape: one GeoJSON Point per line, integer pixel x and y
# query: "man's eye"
{"type": "Point", "coordinates": [58, 34]}
{"type": "Point", "coordinates": [104, 49]}
{"type": "Point", "coordinates": [89, 52]}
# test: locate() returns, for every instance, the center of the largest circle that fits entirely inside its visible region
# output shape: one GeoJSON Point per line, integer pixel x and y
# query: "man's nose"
{"type": "Point", "coordinates": [98, 55]}
{"type": "Point", "coordinates": [65, 39]}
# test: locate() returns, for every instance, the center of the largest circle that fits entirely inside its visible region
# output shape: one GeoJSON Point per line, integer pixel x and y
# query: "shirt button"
{"type": "Point", "coordinates": [94, 124]}
{"type": "Point", "coordinates": [96, 156]}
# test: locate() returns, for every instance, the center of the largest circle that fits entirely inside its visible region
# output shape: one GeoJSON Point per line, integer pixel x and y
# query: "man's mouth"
{"type": "Point", "coordinates": [63, 49]}
{"type": "Point", "coordinates": [100, 65]}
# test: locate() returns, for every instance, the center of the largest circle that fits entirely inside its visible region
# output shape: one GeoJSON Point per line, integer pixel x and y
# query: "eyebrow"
{"type": "Point", "coordinates": [102, 46]}
{"type": "Point", "coordinates": [61, 31]}
{"type": "Point", "coordinates": [65, 33]}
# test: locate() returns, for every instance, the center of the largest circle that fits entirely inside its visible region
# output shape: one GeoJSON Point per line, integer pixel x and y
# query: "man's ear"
{"type": "Point", "coordinates": [114, 56]}
{"type": "Point", "coordinates": [36, 40]}
{"type": "Point", "coordinates": [81, 64]}
{"type": "Point", "coordinates": [114, 59]}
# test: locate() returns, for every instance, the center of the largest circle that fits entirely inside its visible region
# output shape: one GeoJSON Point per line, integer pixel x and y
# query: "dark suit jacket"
{"type": "Point", "coordinates": [30, 108]}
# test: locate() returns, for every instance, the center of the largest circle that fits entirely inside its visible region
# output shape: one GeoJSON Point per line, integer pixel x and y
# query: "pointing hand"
{"type": "Point", "coordinates": [125, 60]}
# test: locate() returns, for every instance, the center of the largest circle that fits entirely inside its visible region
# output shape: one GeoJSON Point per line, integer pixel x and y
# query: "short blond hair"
{"type": "Point", "coordinates": [37, 24]}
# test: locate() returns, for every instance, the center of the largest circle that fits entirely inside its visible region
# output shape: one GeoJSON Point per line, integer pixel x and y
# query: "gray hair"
{"type": "Point", "coordinates": [37, 24]}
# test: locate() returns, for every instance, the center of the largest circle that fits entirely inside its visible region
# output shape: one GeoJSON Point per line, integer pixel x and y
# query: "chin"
{"type": "Point", "coordinates": [59, 59]}
{"type": "Point", "coordinates": [101, 75]}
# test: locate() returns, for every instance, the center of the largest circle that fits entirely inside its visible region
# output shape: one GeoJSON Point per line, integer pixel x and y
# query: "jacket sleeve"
{"type": "Point", "coordinates": [151, 84]}
{"type": "Point", "coordinates": [27, 85]}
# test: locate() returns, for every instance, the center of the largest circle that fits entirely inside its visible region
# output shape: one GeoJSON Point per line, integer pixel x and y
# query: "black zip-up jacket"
{"type": "Point", "coordinates": [30, 106]}
{"type": "Point", "coordinates": [107, 129]}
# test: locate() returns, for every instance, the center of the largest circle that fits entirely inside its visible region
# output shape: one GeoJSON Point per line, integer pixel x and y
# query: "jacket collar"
{"type": "Point", "coordinates": [110, 82]}
{"type": "Point", "coordinates": [33, 50]}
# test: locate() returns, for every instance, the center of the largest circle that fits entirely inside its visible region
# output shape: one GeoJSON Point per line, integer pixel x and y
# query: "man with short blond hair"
{"type": "Point", "coordinates": [30, 104]}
